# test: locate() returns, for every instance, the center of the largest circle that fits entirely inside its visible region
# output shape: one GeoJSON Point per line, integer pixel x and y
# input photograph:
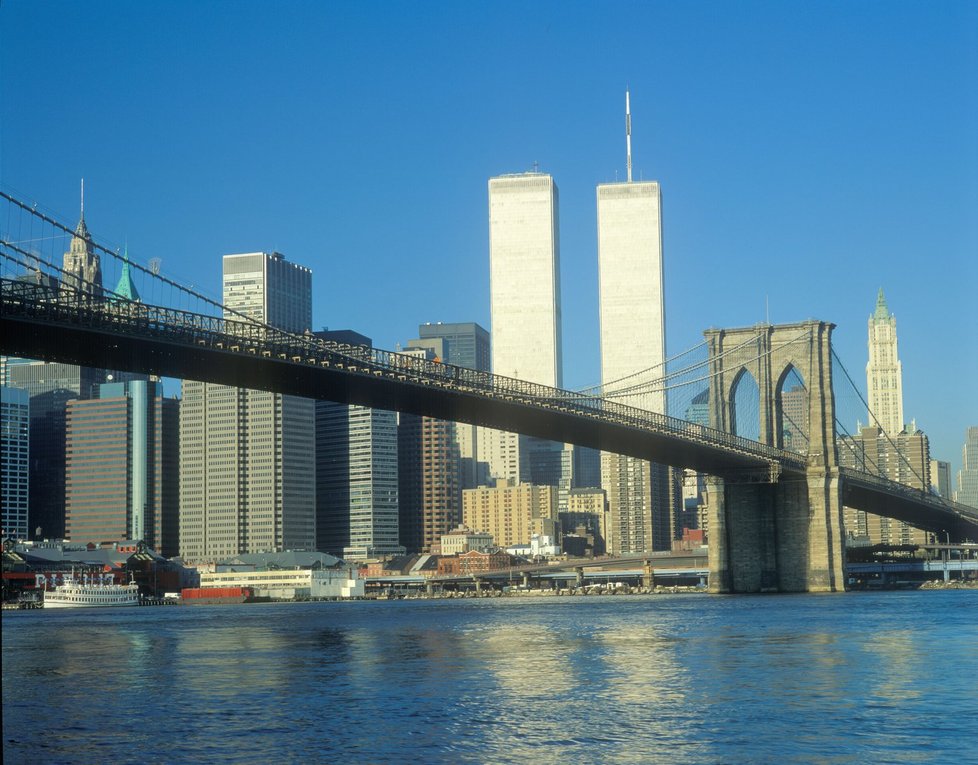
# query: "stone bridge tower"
{"type": "Point", "coordinates": [784, 535]}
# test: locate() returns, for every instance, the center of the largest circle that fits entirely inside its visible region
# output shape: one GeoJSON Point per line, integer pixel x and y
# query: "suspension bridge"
{"type": "Point", "coordinates": [754, 408]}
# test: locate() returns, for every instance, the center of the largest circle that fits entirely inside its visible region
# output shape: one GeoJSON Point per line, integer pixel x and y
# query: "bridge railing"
{"type": "Point", "coordinates": [139, 319]}
{"type": "Point", "coordinates": [910, 492]}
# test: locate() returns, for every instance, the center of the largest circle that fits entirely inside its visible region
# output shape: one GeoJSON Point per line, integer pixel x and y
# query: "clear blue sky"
{"type": "Point", "coordinates": [809, 153]}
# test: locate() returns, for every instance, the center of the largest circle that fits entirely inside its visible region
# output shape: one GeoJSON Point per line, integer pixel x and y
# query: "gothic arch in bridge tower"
{"type": "Point", "coordinates": [791, 411]}
{"type": "Point", "coordinates": [744, 405]}
{"type": "Point", "coordinates": [784, 535]}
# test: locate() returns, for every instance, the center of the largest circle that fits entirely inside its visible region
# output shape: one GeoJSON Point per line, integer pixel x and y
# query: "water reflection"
{"type": "Point", "coordinates": [638, 680]}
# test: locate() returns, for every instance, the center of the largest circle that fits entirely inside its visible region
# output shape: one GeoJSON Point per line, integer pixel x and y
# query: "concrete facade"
{"type": "Point", "coordinates": [785, 535]}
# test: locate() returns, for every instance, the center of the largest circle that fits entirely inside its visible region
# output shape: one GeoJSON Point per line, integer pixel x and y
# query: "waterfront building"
{"type": "Point", "coordinates": [463, 539]}
{"type": "Point", "coordinates": [884, 372]}
{"type": "Point", "coordinates": [902, 457]}
{"type": "Point", "coordinates": [940, 478]}
{"type": "Point", "coordinates": [967, 491]}
{"type": "Point", "coordinates": [50, 387]}
{"type": "Point", "coordinates": [524, 285]}
{"type": "Point", "coordinates": [290, 584]}
{"type": "Point", "coordinates": [632, 331]}
{"type": "Point", "coordinates": [120, 475]}
{"type": "Point", "coordinates": [15, 424]}
{"type": "Point", "coordinates": [511, 513]}
{"type": "Point", "coordinates": [247, 457]}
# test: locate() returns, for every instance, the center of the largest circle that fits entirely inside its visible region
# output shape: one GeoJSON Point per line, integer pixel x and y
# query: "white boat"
{"type": "Point", "coordinates": [71, 594]}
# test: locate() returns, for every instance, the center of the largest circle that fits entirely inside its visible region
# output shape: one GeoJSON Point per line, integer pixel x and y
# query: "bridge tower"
{"type": "Point", "coordinates": [776, 533]}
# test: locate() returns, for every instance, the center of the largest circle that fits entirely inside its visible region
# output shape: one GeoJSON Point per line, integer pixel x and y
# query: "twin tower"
{"type": "Point", "coordinates": [524, 247]}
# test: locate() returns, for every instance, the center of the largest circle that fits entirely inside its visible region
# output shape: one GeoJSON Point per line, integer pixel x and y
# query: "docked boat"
{"type": "Point", "coordinates": [72, 594]}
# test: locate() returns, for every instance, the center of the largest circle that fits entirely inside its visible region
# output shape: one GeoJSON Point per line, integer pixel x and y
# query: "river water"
{"type": "Point", "coordinates": [887, 677]}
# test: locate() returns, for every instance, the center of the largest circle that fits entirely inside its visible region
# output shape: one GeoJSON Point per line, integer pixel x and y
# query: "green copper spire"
{"type": "Point", "coordinates": [126, 288]}
{"type": "Point", "coordinates": [882, 312]}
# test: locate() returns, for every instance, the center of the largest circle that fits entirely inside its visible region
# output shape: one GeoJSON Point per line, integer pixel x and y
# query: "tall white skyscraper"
{"type": "Point", "coordinates": [524, 281]}
{"type": "Point", "coordinates": [632, 326]}
{"type": "Point", "coordinates": [524, 278]}
{"type": "Point", "coordinates": [247, 457]}
{"type": "Point", "coordinates": [884, 373]}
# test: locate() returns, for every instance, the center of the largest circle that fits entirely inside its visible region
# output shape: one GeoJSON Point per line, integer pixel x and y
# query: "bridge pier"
{"type": "Point", "coordinates": [777, 537]}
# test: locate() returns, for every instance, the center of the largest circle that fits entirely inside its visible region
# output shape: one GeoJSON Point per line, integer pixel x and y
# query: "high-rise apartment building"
{"type": "Point", "coordinates": [247, 457]}
{"type": "Point", "coordinates": [524, 284]}
{"type": "Point", "coordinates": [967, 491]}
{"type": "Point", "coordinates": [632, 328]}
{"type": "Point", "coordinates": [884, 373]}
{"type": "Point", "coordinates": [118, 483]}
{"type": "Point", "coordinates": [512, 514]}
{"type": "Point", "coordinates": [15, 422]}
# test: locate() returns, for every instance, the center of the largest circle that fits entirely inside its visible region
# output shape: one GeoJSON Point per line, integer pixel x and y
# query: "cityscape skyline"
{"type": "Point", "coordinates": [844, 140]}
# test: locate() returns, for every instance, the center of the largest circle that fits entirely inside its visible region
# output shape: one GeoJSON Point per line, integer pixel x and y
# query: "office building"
{"type": "Point", "coordinates": [357, 503]}
{"type": "Point", "coordinates": [429, 494]}
{"type": "Point", "coordinates": [50, 387]}
{"type": "Point", "coordinates": [247, 457]}
{"type": "Point", "coordinates": [357, 482]}
{"type": "Point", "coordinates": [15, 423]}
{"type": "Point", "coordinates": [940, 478]}
{"type": "Point", "coordinates": [631, 310]}
{"type": "Point", "coordinates": [967, 489]}
{"type": "Point", "coordinates": [524, 284]}
{"type": "Point", "coordinates": [464, 344]}
{"type": "Point", "coordinates": [884, 372]}
{"type": "Point", "coordinates": [511, 514]}
{"type": "Point", "coordinates": [118, 484]}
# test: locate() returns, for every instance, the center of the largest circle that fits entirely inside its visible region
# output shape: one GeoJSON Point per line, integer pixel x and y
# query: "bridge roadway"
{"type": "Point", "coordinates": [99, 332]}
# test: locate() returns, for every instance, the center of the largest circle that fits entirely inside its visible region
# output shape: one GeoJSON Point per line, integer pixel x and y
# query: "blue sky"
{"type": "Point", "coordinates": [809, 153]}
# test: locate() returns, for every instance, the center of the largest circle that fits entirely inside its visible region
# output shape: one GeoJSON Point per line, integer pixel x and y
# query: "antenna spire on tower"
{"type": "Point", "coordinates": [83, 199]}
{"type": "Point", "coordinates": [628, 137]}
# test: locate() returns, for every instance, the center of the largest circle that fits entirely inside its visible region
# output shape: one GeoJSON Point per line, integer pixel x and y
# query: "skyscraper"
{"type": "Point", "coordinates": [357, 502]}
{"type": "Point", "coordinates": [524, 282]}
{"type": "Point", "coordinates": [967, 491]}
{"type": "Point", "coordinates": [884, 373]}
{"type": "Point", "coordinates": [524, 278]}
{"type": "Point", "coordinates": [632, 330]}
{"type": "Point", "coordinates": [465, 344]}
{"type": "Point", "coordinates": [15, 423]}
{"type": "Point", "coordinates": [50, 387]}
{"type": "Point", "coordinates": [116, 485]}
{"type": "Point", "coordinates": [81, 264]}
{"type": "Point", "coordinates": [247, 457]}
